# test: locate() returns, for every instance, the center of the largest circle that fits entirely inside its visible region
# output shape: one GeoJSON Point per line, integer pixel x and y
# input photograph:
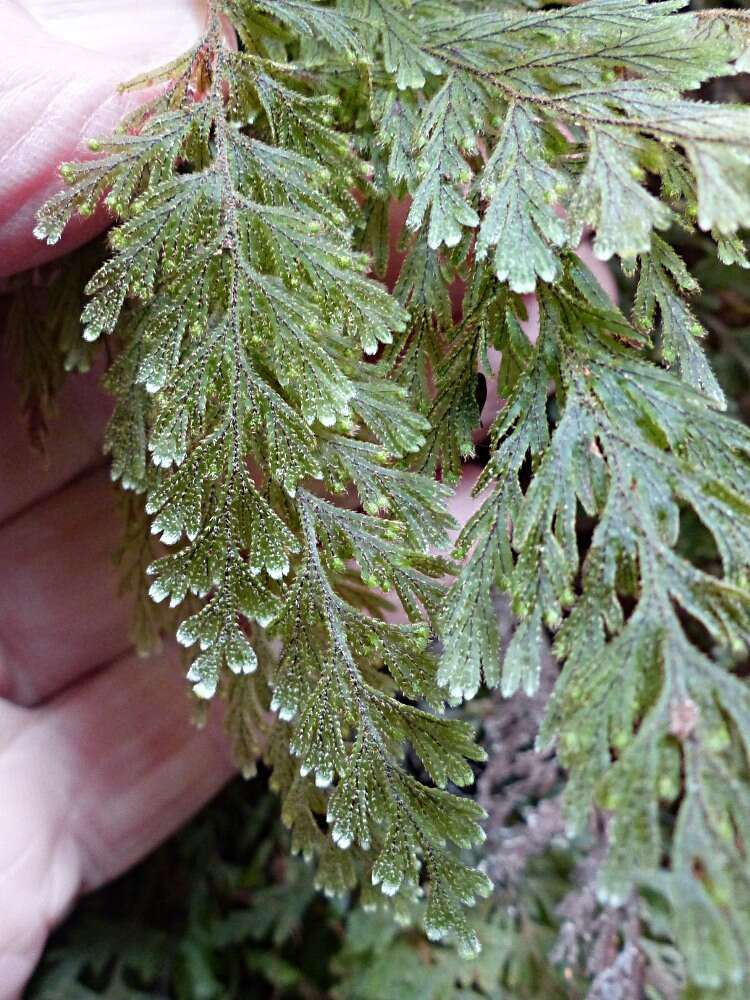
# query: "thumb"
{"type": "Point", "coordinates": [62, 63]}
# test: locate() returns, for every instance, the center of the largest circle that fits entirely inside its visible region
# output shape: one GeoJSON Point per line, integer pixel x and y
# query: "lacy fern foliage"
{"type": "Point", "coordinates": [283, 416]}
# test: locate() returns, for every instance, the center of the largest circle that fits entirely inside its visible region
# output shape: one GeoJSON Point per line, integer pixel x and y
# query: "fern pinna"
{"type": "Point", "coordinates": [284, 417]}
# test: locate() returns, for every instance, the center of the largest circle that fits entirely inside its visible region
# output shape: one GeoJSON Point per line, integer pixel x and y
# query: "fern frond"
{"type": "Point", "coordinates": [261, 373]}
{"type": "Point", "coordinates": [238, 380]}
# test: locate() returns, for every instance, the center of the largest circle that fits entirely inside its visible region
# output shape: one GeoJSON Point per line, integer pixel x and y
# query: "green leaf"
{"type": "Point", "coordinates": [520, 221]}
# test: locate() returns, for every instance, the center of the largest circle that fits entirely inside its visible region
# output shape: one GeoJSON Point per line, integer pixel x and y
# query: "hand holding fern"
{"type": "Point", "coordinates": [315, 517]}
{"type": "Point", "coordinates": [62, 64]}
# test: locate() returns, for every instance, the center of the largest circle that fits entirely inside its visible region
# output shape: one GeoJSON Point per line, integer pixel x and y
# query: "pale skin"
{"type": "Point", "coordinates": [99, 761]}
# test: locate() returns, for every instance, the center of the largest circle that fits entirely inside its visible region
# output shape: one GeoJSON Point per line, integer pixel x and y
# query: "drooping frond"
{"type": "Point", "coordinates": [285, 419]}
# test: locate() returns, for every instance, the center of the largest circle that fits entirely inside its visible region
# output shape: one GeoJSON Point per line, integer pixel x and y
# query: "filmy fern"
{"type": "Point", "coordinates": [238, 292]}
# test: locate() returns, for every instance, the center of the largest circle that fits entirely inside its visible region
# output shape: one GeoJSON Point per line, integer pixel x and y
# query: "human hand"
{"type": "Point", "coordinates": [98, 759]}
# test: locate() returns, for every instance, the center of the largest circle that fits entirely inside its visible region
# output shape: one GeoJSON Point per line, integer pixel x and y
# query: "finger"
{"type": "Point", "coordinates": [92, 783]}
{"type": "Point", "coordinates": [125, 738]}
{"type": "Point", "coordinates": [62, 64]}
{"type": "Point", "coordinates": [461, 503]}
{"type": "Point", "coordinates": [599, 268]}
{"type": "Point", "coordinates": [60, 613]}
{"type": "Point", "coordinates": [73, 444]}
{"type": "Point", "coordinates": [162, 29]}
